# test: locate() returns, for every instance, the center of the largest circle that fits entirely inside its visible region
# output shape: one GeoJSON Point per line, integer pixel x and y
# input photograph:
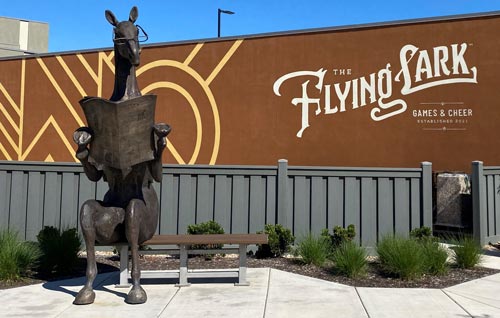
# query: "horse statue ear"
{"type": "Point", "coordinates": [111, 18]}
{"type": "Point", "coordinates": [134, 13]}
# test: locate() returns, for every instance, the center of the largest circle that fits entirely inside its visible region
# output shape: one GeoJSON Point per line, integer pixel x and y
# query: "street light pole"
{"type": "Point", "coordinates": [218, 19]}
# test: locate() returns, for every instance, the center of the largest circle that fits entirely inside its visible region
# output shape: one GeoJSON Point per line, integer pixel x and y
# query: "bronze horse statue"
{"type": "Point", "coordinates": [129, 210]}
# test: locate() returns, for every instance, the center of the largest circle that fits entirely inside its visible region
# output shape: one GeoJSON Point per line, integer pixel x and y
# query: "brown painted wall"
{"type": "Point", "coordinates": [227, 105]}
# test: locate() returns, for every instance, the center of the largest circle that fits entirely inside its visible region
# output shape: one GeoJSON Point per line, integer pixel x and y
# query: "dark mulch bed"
{"type": "Point", "coordinates": [104, 264]}
{"type": "Point", "coordinates": [374, 277]}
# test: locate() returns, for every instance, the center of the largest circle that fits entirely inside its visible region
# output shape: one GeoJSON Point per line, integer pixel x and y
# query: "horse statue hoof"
{"type": "Point", "coordinates": [137, 295]}
{"type": "Point", "coordinates": [85, 296]}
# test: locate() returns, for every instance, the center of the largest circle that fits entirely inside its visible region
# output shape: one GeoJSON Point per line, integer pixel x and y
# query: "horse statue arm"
{"type": "Point", "coordinates": [160, 131]}
{"type": "Point", "coordinates": [82, 137]}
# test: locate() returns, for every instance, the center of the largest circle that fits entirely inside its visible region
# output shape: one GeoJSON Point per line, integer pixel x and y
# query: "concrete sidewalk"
{"type": "Point", "coordinates": [272, 293]}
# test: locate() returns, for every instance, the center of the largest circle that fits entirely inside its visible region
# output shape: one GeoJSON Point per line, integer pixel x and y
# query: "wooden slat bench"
{"type": "Point", "coordinates": [184, 242]}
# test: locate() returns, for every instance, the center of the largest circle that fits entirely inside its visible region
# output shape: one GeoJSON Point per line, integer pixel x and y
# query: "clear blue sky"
{"type": "Point", "coordinates": [75, 25]}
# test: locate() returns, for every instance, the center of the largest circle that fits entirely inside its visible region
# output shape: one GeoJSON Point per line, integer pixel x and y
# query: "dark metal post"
{"type": "Point", "coordinates": [218, 23]}
{"type": "Point", "coordinates": [426, 194]}
{"type": "Point", "coordinates": [219, 11]}
{"type": "Point", "coordinates": [282, 193]}
{"type": "Point", "coordinates": [479, 213]}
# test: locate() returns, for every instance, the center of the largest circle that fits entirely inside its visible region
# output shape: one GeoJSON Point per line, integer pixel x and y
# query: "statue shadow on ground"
{"type": "Point", "coordinates": [61, 285]}
{"type": "Point", "coordinates": [495, 252]}
{"type": "Point", "coordinates": [192, 281]}
{"type": "Point", "coordinates": [113, 278]}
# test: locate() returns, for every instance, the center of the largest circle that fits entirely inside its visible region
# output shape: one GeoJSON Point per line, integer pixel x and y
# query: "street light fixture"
{"type": "Point", "coordinates": [218, 20]}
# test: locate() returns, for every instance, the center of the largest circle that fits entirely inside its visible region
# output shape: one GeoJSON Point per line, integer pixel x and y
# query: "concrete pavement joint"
{"type": "Point", "coordinates": [267, 291]}
{"type": "Point", "coordinates": [468, 313]}
{"type": "Point", "coordinates": [469, 298]}
{"type": "Point", "coordinates": [172, 298]}
{"type": "Point", "coordinates": [362, 303]}
{"type": "Point", "coordinates": [63, 311]}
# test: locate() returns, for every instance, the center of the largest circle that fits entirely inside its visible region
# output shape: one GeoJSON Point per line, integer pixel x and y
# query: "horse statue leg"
{"type": "Point", "coordinates": [135, 211]}
{"type": "Point", "coordinates": [98, 224]}
{"type": "Point", "coordinates": [87, 295]}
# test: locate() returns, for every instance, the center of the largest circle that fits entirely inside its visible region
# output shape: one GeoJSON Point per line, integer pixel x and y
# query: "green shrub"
{"type": "Point", "coordinates": [209, 227]}
{"type": "Point", "coordinates": [422, 233]}
{"type": "Point", "coordinates": [16, 257]}
{"type": "Point", "coordinates": [401, 257]}
{"type": "Point", "coordinates": [340, 235]}
{"type": "Point", "coordinates": [59, 249]}
{"type": "Point", "coordinates": [467, 252]}
{"type": "Point", "coordinates": [350, 259]}
{"type": "Point", "coordinates": [313, 250]}
{"type": "Point", "coordinates": [279, 241]}
{"type": "Point", "coordinates": [435, 257]}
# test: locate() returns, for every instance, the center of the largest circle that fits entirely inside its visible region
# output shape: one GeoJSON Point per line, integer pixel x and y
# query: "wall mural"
{"type": "Point", "coordinates": [380, 95]}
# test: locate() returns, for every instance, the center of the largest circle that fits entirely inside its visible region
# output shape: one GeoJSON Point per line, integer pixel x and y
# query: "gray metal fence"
{"type": "Point", "coordinates": [378, 201]}
{"type": "Point", "coordinates": [485, 202]}
{"type": "Point", "coordinates": [242, 199]}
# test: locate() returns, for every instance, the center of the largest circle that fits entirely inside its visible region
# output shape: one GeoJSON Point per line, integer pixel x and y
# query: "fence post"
{"type": "Point", "coordinates": [479, 226]}
{"type": "Point", "coordinates": [282, 193]}
{"type": "Point", "coordinates": [426, 194]}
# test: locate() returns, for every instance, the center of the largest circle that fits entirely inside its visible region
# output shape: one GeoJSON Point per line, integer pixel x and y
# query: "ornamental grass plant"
{"type": "Point", "coordinates": [313, 250]}
{"type": "Point", "coordinates": [350, 259]}
{"type": "Point", "coordinates": [467, 252]}
{"type": "Point", "coordinates": [17, 258]}
{"type": "Point", "coordinates": [401, 257]}
{"type": "Point", "coordinates": [435, 257]}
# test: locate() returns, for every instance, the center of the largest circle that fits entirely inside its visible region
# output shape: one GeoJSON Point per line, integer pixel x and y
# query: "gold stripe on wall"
{"type": "Point", "coordinates": [10, 119]}
{"type": "Point", "coordinates": [9, 138]}
{"type": "Point", "coordinates": [199, 130]}
{"type": "Point", "coordinates": [4, 152]}
{"type": "Point", "coordinates": [108, 59]}
{"type": "Point", "coordinates": [194, 74]}
{"type": "Point", "coordinates": [21, 106]}
{"type": "Point", "coordinates": [60, 92]}
{"type": "Point", "coordinates": [19, 109]}
{"type": "Point", "coordinates": [193, 53]}
{"type": "Point", "coordinates": [88, 68]}
{"type": "Point", "coordinates": [223, 62]}
{"type": "Point", "coordinates": [53, 122]}
{"type": "Point", "coordinates": [71, 76]}
{"type": "Point", "coordinates": [10, 100]}
{"type": "Point", "coordinates": [49, 158]}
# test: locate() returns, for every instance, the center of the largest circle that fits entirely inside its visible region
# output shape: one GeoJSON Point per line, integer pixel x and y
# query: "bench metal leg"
{"type": "Point", "coordinates": [123, 267]}
{"type": "Point", "coordinates": [183, 270]}
{"type": "Point", "coordinates": [242, 271]}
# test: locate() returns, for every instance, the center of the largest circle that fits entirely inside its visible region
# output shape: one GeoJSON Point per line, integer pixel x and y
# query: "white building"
{"type": "Point", "coordinates": [21, 37]}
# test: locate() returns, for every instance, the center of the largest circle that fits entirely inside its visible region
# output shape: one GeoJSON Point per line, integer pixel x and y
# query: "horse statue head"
{"type": "Point", "coordinates": [127, 55]}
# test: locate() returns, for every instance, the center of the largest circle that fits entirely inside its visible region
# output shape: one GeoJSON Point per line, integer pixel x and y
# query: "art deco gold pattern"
{"type": "Point", "coordinates": [12, 125]}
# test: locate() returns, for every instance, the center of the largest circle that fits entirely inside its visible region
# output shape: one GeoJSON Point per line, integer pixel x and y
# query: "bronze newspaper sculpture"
{"type": "Point", "coordinates": [122, 145]}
